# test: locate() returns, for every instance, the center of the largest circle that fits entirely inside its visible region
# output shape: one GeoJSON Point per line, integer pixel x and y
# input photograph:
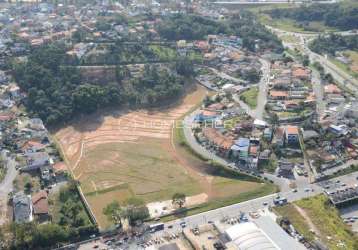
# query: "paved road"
{"type": "Point", "coordinates": [260, 203]}
{"type": "Point", "coordinates": [318, 91]}
{"type": "Point", "coordinates": [303, 39]}
{"type": "Point", "coordinates": [258, 112]}
{"type": "Point", "coordinates": [6, 186]}
{"type": "Point", "coordinates": [226, 76]}
{"type": "Point", "coordinates": [262, 95]}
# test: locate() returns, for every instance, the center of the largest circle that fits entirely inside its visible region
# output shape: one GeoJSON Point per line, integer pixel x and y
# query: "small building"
{"type": "Point", "coordinates": [206, 116]}
{"type": "Point", "coordinates": [309, 134]}
{"type": "Point", "coordinates": [32, 147]}
{"type": "Point", "coordinates": [291, 134]}
{"type": "Point", "coordinates": [332, 89]}
{"type": "Point", "coordinates": [351, 110]}
{"type": "Point", "coordinates": [36, 160]}
{"type": "Point", "coordinates": [22, 208]}
{"type": "Point", "coordinates": [285, 168]}
{"type": "Point", "coordinates": [267, 134]}
{"type": "Point", "coordinates": [36, 124]}
{"type": "Point", "coordinates": [40, 206]}
{"type": "Point", "coordinates": [259, 123]}
{"type": "Point", "coordinates": [279, 138]}
{"type": "Point", "coordinates": [338, 129]}
{"type": "Point", "coordinates": [278, 95]}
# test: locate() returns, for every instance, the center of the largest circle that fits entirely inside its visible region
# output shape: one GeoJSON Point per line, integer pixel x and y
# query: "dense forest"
{"type": "Point", "coordinates": [191, 27]}
{"type": "Point", "coordinates": [56, 92]}
{"type": "Point", "coordinates": [341, 16]}
{"type": "Point", "coordinates": [333, 43]}
{"type": "Point", "coordinates": [252, 32]}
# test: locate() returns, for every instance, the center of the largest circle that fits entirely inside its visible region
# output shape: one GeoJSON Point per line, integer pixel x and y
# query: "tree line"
{"type": "Point", "coordinates": [193, 27]}
{"type": "Point", "coordinates": [333, 43]}
{"type": "Point", "coordinates": [341, 16]}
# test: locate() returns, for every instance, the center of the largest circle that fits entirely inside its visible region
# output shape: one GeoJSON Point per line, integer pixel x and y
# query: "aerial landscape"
{"type": "Point", "coordinates": [179, 124]}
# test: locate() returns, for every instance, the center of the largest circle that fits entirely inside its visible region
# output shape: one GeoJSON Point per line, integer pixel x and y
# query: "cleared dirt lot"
{"type": "Point", "coordinates": [121, 154]}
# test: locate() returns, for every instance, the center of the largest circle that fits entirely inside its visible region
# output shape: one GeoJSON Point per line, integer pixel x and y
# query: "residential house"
{"type": "Point", "coordinates": [267, 134]}
{"type": "Point", "coordinates": [206, 116]}
{"type": "Point", "coordinates": [241, 148]}
{"type": "Point", "coordinates": [221, 142]}
{"type": "Point", "coordinates": [285, 168]}
{"type": "Point", "coordinates": [40, 206]}
{"type": "Point", "coordinates": [32, 147]}
{"type": "Point", "coordinates": [36, 160]}
{"type": "Point", "coordinates": [309, 134]}
{"type": "Point", "coordinates": [301, 73]}
{"type": "Point", "coordinates": [265, 154]}
{"type": "Point", "coordinates": [36, 124]}
{"type": "Point", "coordinates": [22, 208]}
{"type": "Point", "coordinates": [278, 95]}
{"type": "Point", "coordinates": [332, 89]}
{"type": "Point", "coordinates": [338, 130]}
{"type": "Point", "coordinates": [351, 110]}
{"type": "Point", "coordinates": [291, 134]}
{"type": "Point", "coordinates": [279, 138]}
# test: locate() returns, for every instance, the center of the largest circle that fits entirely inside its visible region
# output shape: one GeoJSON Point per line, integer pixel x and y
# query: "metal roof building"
{"type": "Point", "coordinates": [258, 234]}
{"type": "Point", "coordinates": [249, 236]}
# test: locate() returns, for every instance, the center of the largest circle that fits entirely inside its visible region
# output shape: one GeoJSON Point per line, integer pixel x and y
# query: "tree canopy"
{"type": "Point", "coordinates": [179, 199]}
{"type": "Point", "coordinates": [333, 43]}
{"type": "Point", "coordinates": [341, 16]}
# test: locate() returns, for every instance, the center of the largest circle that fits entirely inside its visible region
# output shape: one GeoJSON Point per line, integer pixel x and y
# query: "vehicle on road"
{"type": "Point", "coordinates": [183, 224]}
{"type": "Point", "coordinates": [280, 201]}
{"type": "Point", "coordinates": [156, 227]}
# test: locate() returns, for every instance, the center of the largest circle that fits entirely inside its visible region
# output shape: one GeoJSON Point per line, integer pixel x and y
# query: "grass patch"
{"type": "Point", "coordinates": [300, 224]}
{"type": "Point", "coordinates": [250, 97]}
{"type": "Point", "coordinates": [264, 190]}
{"type": "Point", "coordinates": [2, 173]}
{"type": "Point", "coordinates": [333, 231]}
{"type": "Point", "coordinates": [346, 68]}
{"type": "Point", "coordinates": [164, 53]}
{"type": "Point", "coordinates": [351, 169]}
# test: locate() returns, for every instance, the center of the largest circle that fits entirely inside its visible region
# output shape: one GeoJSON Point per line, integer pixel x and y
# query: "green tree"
{"type": "Point", "coordinates": [114, 212]}
{"type": "Point", "coordinates": [179, 199]}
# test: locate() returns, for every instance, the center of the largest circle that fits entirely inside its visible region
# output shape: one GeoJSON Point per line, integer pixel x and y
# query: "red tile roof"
{"type": "Point", "coordinates": [40, 203]}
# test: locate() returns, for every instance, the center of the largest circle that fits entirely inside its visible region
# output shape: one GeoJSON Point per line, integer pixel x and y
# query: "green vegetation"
{"type": "Point", "coordinates": [345, 67]}
{"type": "Point", "coordinates": [179, 199]}
{"type": "Point", "coordinates": [71, 223]}
{"type": "Point", "coordinates": [296, 219]}
{"type": "Point", "coordinates": [351, 169]}
{"type": "Point", "coordinates": [333, 43]}
{"type": "Point", "coordinates": [56, 93]}
{"type": "Point", "coordinates": [265, 189]}
{"type": "Point", "coordinates": [192, 27]}
{"type": "Point", "coordinates": [329, 223]}
{"type": "Point", "coordinates": [250, 97]}
{"type": "Point", "coordinates": [326, 219]}
{"type": "Point", "coordinates": [340, 16]}
{"type": "Point", "coordinates": [189, 27]}
{"type": "Point", "coordinates": [134, 210]}
{"type": "Point", "coordinates": [2, 170]}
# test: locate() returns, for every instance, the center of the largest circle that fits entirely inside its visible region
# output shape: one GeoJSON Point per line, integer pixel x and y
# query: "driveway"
{"type": "Point", "coordinates": [6, 186]}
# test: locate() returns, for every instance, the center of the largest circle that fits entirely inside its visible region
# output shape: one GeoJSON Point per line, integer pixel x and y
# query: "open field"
{"type": "Point", "coordinates": [118, 155]}
{"type": "Point", "coordinates": [250, 97]}
{"type": "Point", "coordinates": [351, 68]}
{"type": "Point", "coordinates": [318, 215]}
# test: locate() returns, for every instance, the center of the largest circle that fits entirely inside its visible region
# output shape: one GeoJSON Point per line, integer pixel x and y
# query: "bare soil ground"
{"type": "Point", "coordinates": [120, 154]}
